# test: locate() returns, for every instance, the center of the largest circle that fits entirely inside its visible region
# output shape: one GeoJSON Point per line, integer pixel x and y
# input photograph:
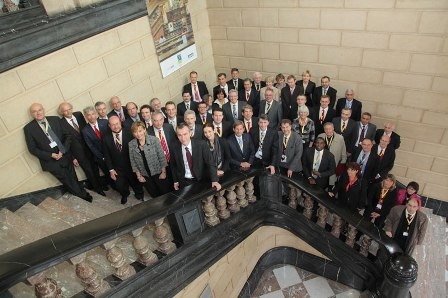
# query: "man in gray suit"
{"type": "Point", "coordinates": [290, 150]}
{"type": "Point", "coordinates": [233, 110]}
{"type": "Point", "coordinates": [272, 108]}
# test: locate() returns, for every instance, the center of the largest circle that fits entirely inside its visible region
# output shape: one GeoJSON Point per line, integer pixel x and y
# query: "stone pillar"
{"type": "Point", "coordinates": [45, 287]}
{"type": "Point", "coordinates": [117, 260]}
{"type": "Point", "coordinates": [231, 200]}
{"type": "Point", "coordinates": [336, 227]}
{"type": "Point", "coordinates": [292, 198]}
{"type": "Point", "coordinates": [210, 211]}
{"type": "Point", "coordinates": [141, 245]}
{"type": "Point", "coordinates": [322, 214]}
{"type": "Point", "coordinates": [161, 236]}
{"type": "Point", "coordinates": [249, 187]}
{"type": "Point", "coordinates": [400, 274]}
{"type": "Point", "coordinates": [241, 195]}
{"type": "Point", "coordinates": [351, 235]}
{"type": "Point", "coordinates": [94, 285]}
{"type": "Point", "coordinates": [308, 206]}
{"type": "Point", "coordinates": [221, 205]}
{"type": "Point", "coordinates": [365, 245]}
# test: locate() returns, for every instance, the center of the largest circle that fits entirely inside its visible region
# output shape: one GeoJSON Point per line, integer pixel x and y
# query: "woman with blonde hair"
{"type": "Point", "coordinates": [307, 86]}
{"type": "Point", "coordinates": [270, 84]}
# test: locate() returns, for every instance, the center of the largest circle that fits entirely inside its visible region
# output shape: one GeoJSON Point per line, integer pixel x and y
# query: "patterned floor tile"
{"type": "Point", "coordinates": [276, 294]}
{"type": "Point", "coordinates": [296, 291]}
{"type": "Point", "coordinates": [268, 283]}
{"type": "Point", "coordinates": [318, 287]}
{"type": "Point", "coordinates": [287, 276]}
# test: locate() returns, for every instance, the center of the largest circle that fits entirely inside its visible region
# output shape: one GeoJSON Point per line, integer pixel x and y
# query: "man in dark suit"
{"type": "Point", "coordinates": [301, 101]}
{"type": "Point", "coordinates": [265, 141]}
{"type": "Point", "coordinates": [196, 88]}
{"type": "Point", "coordinates": [203, 115]}
{"type": "Point", "coordinates": [235, 83]}
{"type": "Point", "coordinates": [93, 134]}
{"type": "Point", "coordinates": [145, 114]}
{"type": "Point", "coordinates": [318, 164]}
{"type": "Point", "coordinates": [222, 84]}
{"type": "Point", "coordinates": [222, 128]}
{"type": "Point", "coordinates": [186, 104]}
{"type": "Point", "coordinates": [192, 161]}
{"type": "Point", "coordinates": [156, 106]}
{"type": "Point", "coordinates": [117, 109]}
{"type": "Point", "coordinates": [350, 102]}
{"type": "Point", "coordinates": [386, 154]}
{"type": "Point", "coordinates": [271, 108]}
{"type": "Point", "coordinates": [290, 150]}
{"type": "Point", "coordinates": [388, 131]}
{"type": "Point", "coordinates": [250, 96]}
{"type": "Point", "coordinates": [196, 129]}
{"type": "Point", "coordinates": [164, 132]}
{"type": "Point", "coordinates": [289, 98]}
{"type": "Point", "coordinates": [134, 115]}
{"type": "Point", "coordinates": [46, 140]}
{"type": "Point", "coordinates": [368, 161]}
{"type": "Point", "coordinates": [233, 110]}
{"type": "Point", "coordinates": [345, 126]}
{"type": "Point", "coordinates": [101, 109]}
{"type": "Point", "coordinates": [248, 119]}
{"type": "Point", "coordinates": [324, 89]}
{"type": "Point", "coordinates": [171, 117]}
{"type": "Point", "coordinates": [116, 155]}
{"type": "Point", "coordinates": [323, 114]}
{"type": "Point", "coordinates": [242, 150]}
{"type": "Point", "coordinates": [73, 123]}
{"type": "Point", "coordinates": [363, 130]}
{"type": "Point", "coordinates": [257, 83]}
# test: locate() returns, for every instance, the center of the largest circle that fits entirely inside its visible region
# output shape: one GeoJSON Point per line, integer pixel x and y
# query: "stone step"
{"type": "Point", "coordinates": [66, 214]}
{"type": "Point", "coordinates": [14, 231]}
{"type": "Point", "coordinates": [41, 220]}
{"type": "Point", "coordinates": [112, 201]}
{"type": "Point", "coordinates": [84, 207]}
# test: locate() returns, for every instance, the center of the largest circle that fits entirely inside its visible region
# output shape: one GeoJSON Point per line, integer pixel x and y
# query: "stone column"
{"type": "Point", "coordinates": [241, 195]}
{"type": "Point", "coordinates": [45, 287]}
{"type": "Point", "coordinates": [117, 260]}
{"type": "Point", "coordinates": [292, 198]}
{"type": "Point", "coordinates": [365, 245]}
{"type": "Point", "coordinates": [231, 200]}
{"type": "Point", "coordinates": [141, 245]}
{"type": "Point", "coordinates": [210, 211]}
{"type": "Point", "coordinates": [322, 214]}
{"type": "Point", "coordinates": [161, 236]}
{"type": "Point", "coordinates": [351, 235]}
{"type": "Point", "coordinates": [249, 187]}
{"type": "Point", "coordinates": [308, 206]}
{"type": "Point", "coordinates": [221, 205]}
{"type": "Point", "coordinates": [336, 227]}
{"type": "Point", "coordinates": [94, 285]}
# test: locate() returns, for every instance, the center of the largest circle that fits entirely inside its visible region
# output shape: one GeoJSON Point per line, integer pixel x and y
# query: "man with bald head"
{"type": "Point", "coordinates": [118, 109]}
{"type": "Point", "coordinates": [350, 102]}
{"type": "Point", "coordinates": [388, 130]}
{"type": "Point", "coordinates": [47, 141]}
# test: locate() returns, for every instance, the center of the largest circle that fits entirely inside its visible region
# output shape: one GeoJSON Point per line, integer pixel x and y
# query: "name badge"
{"type": "Point", "coordinates": [405, 234]}
{"type": "Point", "coordinates": [379, 206]}
{"type": "Point", "coordinates": [283, 159]}
{"type": "Point", "coordinates": [303, 141]}
{"type": "Point", "coordinates": [259, 154]}
{"type": "Point", "coordinates": [53, 144]}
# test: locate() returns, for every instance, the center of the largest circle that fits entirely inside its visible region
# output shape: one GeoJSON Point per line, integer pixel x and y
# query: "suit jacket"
{"type": "Point", "coordinates": [198, 132]}
{"type": "Point", "coordinates": [386, 163]}
{"type": "Point", "coordinates": [371, 168]}
{"type": "Point", "coordinates": [228, 113]}
{"type": "Point", "coordinates": [293, 152]}
{"type": "Point", "coordinates": [262, 84]}
{"type": "Point", "coordinates": [168, 130]}
{"type": "Point", "coordinates": [369, 134]}
{"type": "Point", "coordinates": [254, 124]}
{"type": "Point", "coordinates": [270, 145]}
{"type": "Point", "coordinates": [181, 108]}
{"type": "Point", "coordinates": [115, 159]}
{"type": "Point", "coordinates": [309, 91]}
{"type": "Point", "coordinates": [289, 102]}
{"type": "Point", "coordinates": [348, 132]}
{"type": "Point", "coordinates": [203, 166]}
{"type": "Point", "coordinates": [128, 121]}
{"type": "Point", "coordinates": [356, 108]}
{"type": "Point", "coordinates": [92, 141]}
{"type": "Point", "coordinates": [236, 155]}
{"type": "Point", "coordinates": [394, 138]}
{"type": "Point", "coordinates": [232, 85]}
{"type": "Point", "coordinates": [39, 145]}
{"type": "Point", "coordinates": [226, 129]}
{"type": "Point", "coordinates": [318, 94]}
{"type": "Point", "coordinates": [113, 113]}
{"type": "Point", "coordinates": [202, 89]}
{"type": "Point", "coordinates": [274, 114]}
{"type": "Point", "coordinates": [225, 154]}
{"type": "Point", "coordinates": [373, 197]}
{"type": "Point", "coordinates": [217, 88]}
{"type": "Point", "coordinates": [326, 169]}
{"type": "Point", "coordinates": [155, 157]}
{"type": "Point", "coordinates": [328, 118]}
{"type": "Point", "coordinates": [356, 196]}
{"type": "Point", "coordinates": [208, 119]}
{"type": "Point", "coordinates": [78, 147]}
{"type": "Point", "coordinates": [337, 148]}
{"type": "Point", "coordinates": [254, 100]}
{"type": "Point", "coordinates": [421, 223]}
{"type": "Point", "coordinates": [179, 119]}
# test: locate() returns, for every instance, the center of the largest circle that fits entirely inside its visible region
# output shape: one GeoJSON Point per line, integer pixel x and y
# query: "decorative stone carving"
{"type": "Point", "coordinates": [94, 285]}
{"type": "Point", "coordinates": [141, 245]}
{"type": "Point", "coordinates": [365, 245]}
{"type": "Point", "coordinates": [249, 187]}
{"type": "Point", "coordinates": [292, 198]}
{"type": "Point", "coordinates": [308, 206]}
{"type": "Point", "coordinates": [336, 227]}
{"type": "Point", "coordinates": [210, 211]}
{"type": "Point", "coordinates": [221, 205]}
{"type": "Point", "coordinates": [119, 262]}
{"type": "Point", "coordinates": [231, 200]}
{"type": "Point", "coordinates": [241, 195]}
{"type": "Point", "coordinates": [322, 213]}
{"type": "Point", "coordinates": [45, 287]}
{"type": "Point", "coordinates": [161, 235]}
{"type": "Point", "coordinates": [351, 235]}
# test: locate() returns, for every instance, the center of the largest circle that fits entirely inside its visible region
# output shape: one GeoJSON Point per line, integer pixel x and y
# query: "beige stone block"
{"type": "Point", "coordinates": [47, 67]}
{"type": "Point", "coordinates": [141, 71]}
{"type": "Point", "coordinates": [299, 18]}
{"type": "Point", "coordinates": [249, 64]}
{"type": "Point", "coordinates": [122, 58]}
{"type": "Point", "coordinates": [428, 100]}
{"type": "Point", "coordinates": [433, 22]}
{"type": "Point", "coordinates": [197, 286]}
{"type": "Point", "coordinates": [280, 35]}
{"type": "Point", "coordinates": [285, 3]}
{"type": "Point", "coordinates": [408, 159]}
{"type": "Point", "coordinates": [196, 6]}
{"type": "Point", "coordinates": [427, 177]}
{"type": "Point", "coordinates": [430, 4]}
{"type": "Point", "coordinates": [2, 130]}
{"type": "Point", "coordinates": [134, 30]}
{"type": "Point", "coordinates": [226, 292]}
{"type": "Point", "coordinates": [367, 106]}
{"type": "Point", "coordinates": [48, 95]}
{"type": "Point", "coordinates": [359, 74]}
{"type": "Point", "coordinates": [237, 3]}
{"type": "Point", "coordinates": [82, 78]}
{"type": "Point", "coordinates": [319, 70]}
{"type": "Point", "coordinates": [437, 119]}
{"type": "Point", "coordinates": [42, 180]}
{"type": "Point", "coordinates": [429, 148]}
{"type": "Point", "coordinates": [445, 138]}
{"type": "Point", "coordinates": [445, 46]}
{"type": "Point", "coordinates": [81, 101]}
{"type": "Point", "coordinates": [148, 46]}
{"type": "Point", "coordinates": [392, 20]}
{"type": "Point", "coordinates": [15, 141]}
{"type": "Point", "coordinates": [365, 40]}
{"type": "Point", "coordinates": [54, 7]}
{"type": "Point", "coordinates": [280, 66]}
{"type": "Point", "coordinates": [386, 59]}
{"type": "Point", "coordinates": [322, 3]}
{"type": "Point", "coordinates": [320, 37]}
{"type": "Point", "coordinates": [379, 93]}
{"type": "Point", "coordinates": [399, 170]}
{"type": "Point", "coordinates": [214, 3]}
{"type": "Point", "coordinates": [421, 132]}
{"type": "Point", "coordinates": [243, 34]}
{"type": "Point", "coordinates": [399, 112]}
{"type": "Point", "coordinates": [345, 19]}
{"type": "Point", "coordinates": [341, 86]}
{"type": "Point", "coordinates": [264, 50]}
{"type": "Point", "coordinates": [377, 120]}
{"type": "Point", "coordinates": [407, 80]}
{"type": "Point", "coordinates": [228, 48]}
{"type": "Point", "coordinates": [237, 266]}
{"type": "Point", "coordinates": [9, 182]}
{"type": "Point", "coordinates": [406, 144]}
{"type": "Point", "coordinates": [10, 85]}
{"type": "Point", "coordinates": [222, 61]}
{"type": "Point", "coordinates": [96, 46]}
{"type": "Point", "coordinates": [204, 52]}
{"type": "Point", "coordinates": [238, 282]}
{"type": "Point", "coordinates": [431, 64]}
{"type": "Point", "coordinates": [219, 279]}
{"type": "Point", "coordinates": [440, 84]}
{"type": "Point", "coordinates": [303, 53]}
{"type": "Point", "coordinates": [369, 4]}
{"type": "Point", "coordinates": [203, 37]}
{"type": "Point", "coordinates": [288, 239]}
{"type": "Point", "coordinates": [436, 191]}
{"type": "Point", "coordinates": [440, 165]}
{"type": "Point", "coordinates": [218, 33]}
{"type": "Point", "coordinates": [225, 17]}
{"type": "Point", "coordinates": [139, 93]}
{"type": "Point", "coordinates": [263, 17]}
{"type": "Point", "coordinates": [340, 56]}
{"type": "Point", "coordinates": [108, 88]}
{"type": "Point", "coordinates": [417, 43]}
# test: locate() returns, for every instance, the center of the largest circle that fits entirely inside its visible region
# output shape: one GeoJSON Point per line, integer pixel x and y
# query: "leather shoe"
{"type": "Point", "coordinates": [88, 198]}
{"type": "Point", "coordinates": [140, 197]}
{"type": "Point", "coordinates": [100, 192]}
{"type": "Point", "coordinates": [124, 199]}
{"type": "Point", "coordinates": [105, 188]}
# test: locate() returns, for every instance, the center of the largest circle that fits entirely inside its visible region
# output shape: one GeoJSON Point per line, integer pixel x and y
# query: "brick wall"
{"type": "Point", "coordinates": [393, 53]}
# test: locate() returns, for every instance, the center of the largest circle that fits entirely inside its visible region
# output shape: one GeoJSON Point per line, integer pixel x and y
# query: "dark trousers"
{"type": "Point", "coordinates": [157, 187]}
{"type": "Point", "coordinates": [91, 170]}
{"type": "Point", "coordinates": [126, 179]}
{"type": "Point", "coordinates": [67, 176]}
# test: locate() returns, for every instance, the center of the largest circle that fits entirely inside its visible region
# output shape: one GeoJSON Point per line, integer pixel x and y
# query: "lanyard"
{"type": "Point", "coordinates": [329, 142]}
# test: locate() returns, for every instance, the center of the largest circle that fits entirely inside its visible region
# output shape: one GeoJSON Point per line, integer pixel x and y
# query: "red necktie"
{"type": "Point", "coordinates": [97, 132]}
{"type": "Point", "coordinates": [76, 127]}
{"type": "Point", "coordinates": [361, 137]}
{"type": "Point", "coordinates": [247, 96]}
{"type": "Point", "coordinates": [203, 119]}
{"type": "Point", "coordinates": [164, 146]}
{"type": "Point", "coordinates": [248, 126]}
{"type": "Point", "coordinates": [196, 93]}
{"type": "Point", "coordinates": [322, 116]}
{"type": "Point", "coordinates": [381, 154]}
{"type": "Point", "coordinates": [189, 161]}
{"type": "Point", "coordinates": [121, 116]}
{"type": "Point", "coordinates": [218, 130]}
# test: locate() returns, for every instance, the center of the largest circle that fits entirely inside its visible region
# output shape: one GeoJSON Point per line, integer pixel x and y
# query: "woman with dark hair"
{"type": "Point", "coordinates": [381, 199]}
{"type": "Point", "coordinates": [403, 195]}
{"type": "Point", "coordinates": [219, 149]}
{"type": "Point", "coordinates": [221, 99]}
{"type": "Point", "coordinates": [351, 190]}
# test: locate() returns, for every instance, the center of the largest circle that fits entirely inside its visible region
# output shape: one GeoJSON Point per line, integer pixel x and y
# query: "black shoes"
{"type": "Point", "coordinates": [124, 199]}
{"type": "Point", "coordinates": [140, 197]}
{"type": "Point", "coordinates": [100, 192]}
{"type": "Point", "coordinates": [88, 198]}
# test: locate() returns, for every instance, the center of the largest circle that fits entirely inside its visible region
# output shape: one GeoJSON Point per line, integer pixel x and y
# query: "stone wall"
{"type": "Point", "coordinates": [393, 53]}
{"type": "Point", "coordinates": [120, 61]}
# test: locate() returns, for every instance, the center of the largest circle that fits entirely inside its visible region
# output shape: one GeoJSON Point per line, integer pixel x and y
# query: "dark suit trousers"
{"type": "Point", "coordinates": [67, 176]}
{"type": "Point", "coordinates": [126, 179]}
{"type": "Point", "coordinates": [91, 170]}
{"type": "Point", "coordinates": [157, 187]}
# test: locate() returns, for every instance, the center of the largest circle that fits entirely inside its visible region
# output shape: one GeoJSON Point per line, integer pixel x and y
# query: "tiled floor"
{"type": "Point", "coordinates": [286, 281]}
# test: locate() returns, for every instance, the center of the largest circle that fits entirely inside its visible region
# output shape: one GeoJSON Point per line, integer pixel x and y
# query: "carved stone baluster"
{"type": "Point", "coordinates": [322, 214]}
{"type": "Point", "coordinates": [210, 211]}
{"type": "Point", "coordinates": [292, 198]}
{"type": "Point", "coordinates": [249, 187]}
{"type": "Point", "coordinates": [141, 245]}
{"type": "Point", "coordinates": [241, 195]}
{"type": "Point", "coordinates": [365, 245]}
{"type": "Point", "coordinates": [94, 285]}
{"type": "Point", "coordinates": [45, 287]}
{"type": "Point", "coordinates": [308, 206]}
{"type": "Point", "coordinates": [10, 6]}
{"type": "Point", "coordinates": [231, 200]}
{"type": "Point", "coordinates": [162, 238]}
{"type": "Point", "coordinates": [221, 205]}
{"type": "Point", "coordinates": [336, 227]}
{"type": "Point", "coordinates": [117, 260]}
{"type": "Point", "coordinates": [351, 235]}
